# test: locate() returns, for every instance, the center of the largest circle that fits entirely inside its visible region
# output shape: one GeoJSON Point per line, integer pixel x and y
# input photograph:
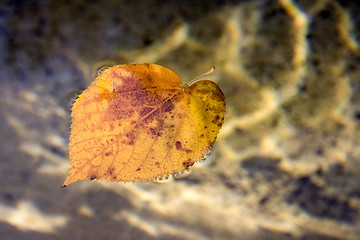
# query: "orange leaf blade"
{"type": "Point", "coordinates": [135, 123]}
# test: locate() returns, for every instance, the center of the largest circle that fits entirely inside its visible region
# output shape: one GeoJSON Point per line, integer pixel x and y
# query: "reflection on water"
{"type": "Point", "coordinates": [286, 164]}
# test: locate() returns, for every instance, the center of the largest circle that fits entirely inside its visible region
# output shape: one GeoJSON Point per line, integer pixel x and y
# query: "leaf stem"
{"type": "Point", "coordinates": [202, 75]}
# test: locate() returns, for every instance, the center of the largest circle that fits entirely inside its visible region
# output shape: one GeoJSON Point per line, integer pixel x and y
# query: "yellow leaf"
{"type": "Point", "coordinates": [136, 122]}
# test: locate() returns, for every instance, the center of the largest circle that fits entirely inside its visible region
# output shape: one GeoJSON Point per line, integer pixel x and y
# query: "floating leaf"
{"type": "Point", "coordinates": [136, 122]}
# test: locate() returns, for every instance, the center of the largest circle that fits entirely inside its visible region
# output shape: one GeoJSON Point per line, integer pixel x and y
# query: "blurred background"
{"type": "Point", "coordinates": [286, 164]}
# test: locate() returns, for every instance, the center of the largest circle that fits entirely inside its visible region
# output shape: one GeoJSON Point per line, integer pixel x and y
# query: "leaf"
{"type": "Point", "coordinates": [136, 122]}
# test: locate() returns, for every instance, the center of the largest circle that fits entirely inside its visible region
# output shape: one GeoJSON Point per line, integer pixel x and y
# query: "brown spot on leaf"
{"type": "Point", "coordinates": [130, 138]}
{"type": "Point", "coordinates": [178, 145]}
{"type": "Point", "coordinates": [185, 164]}
{"type": "Point", "coordinates": [168, 106]}
{"type": "Point", "coordinates": [118, 113]}
{"type": "Point", "coordinates": [140, 98]}
{"type": "Point", "coordinates": [151, 117]}
{"type": "Point", "coordinates": [153, 131]}
{"type": "Point", "coordinates": [145, 111]}
{"type": "Point", "coordinates": [216, 118]}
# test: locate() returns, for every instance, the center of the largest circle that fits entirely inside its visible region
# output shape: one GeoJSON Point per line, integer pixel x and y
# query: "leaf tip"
{"type": "Point", "coordinates": [68, 180]}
